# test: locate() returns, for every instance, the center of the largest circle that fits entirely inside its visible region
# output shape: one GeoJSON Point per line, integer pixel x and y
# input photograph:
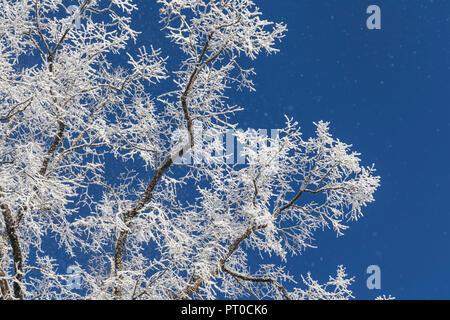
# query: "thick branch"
{"type": "Point", "coordinates": [200, 282]}
{"type": "Point", "coordinates": [16, 250]}
{"type": "Point", "coordinates": [148, 194]}
{"type": "Point", "coordinates": [259, 280]}
{"type": "Point", "coordinates": [191, 290]}
{"type": "Point", "coordinates": [4, 287]}
{"type": "Point", "coordinates": [57, 140]}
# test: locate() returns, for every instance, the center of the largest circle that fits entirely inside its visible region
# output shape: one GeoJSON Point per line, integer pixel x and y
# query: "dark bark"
{"type": "Point", "coordinates": [4, 287]}
{"type": "Point", "coordinates": [56, 142]}
{"type": "Point", "coordinates": [16, 250]}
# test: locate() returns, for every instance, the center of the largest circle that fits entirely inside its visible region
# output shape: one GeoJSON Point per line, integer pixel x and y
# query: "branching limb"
{"type": "Point", "coordinates": [272, 281]}
{"type": "Point", "coordinates": [148, 194]}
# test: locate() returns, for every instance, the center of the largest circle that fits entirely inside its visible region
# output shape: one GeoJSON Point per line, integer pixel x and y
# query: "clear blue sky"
{"type": "Point", "coordinates": [386, 92]}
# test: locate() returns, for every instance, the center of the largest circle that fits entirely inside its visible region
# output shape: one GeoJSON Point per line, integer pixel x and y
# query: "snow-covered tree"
{"type": "Point", "coordinates": [171, 229]}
